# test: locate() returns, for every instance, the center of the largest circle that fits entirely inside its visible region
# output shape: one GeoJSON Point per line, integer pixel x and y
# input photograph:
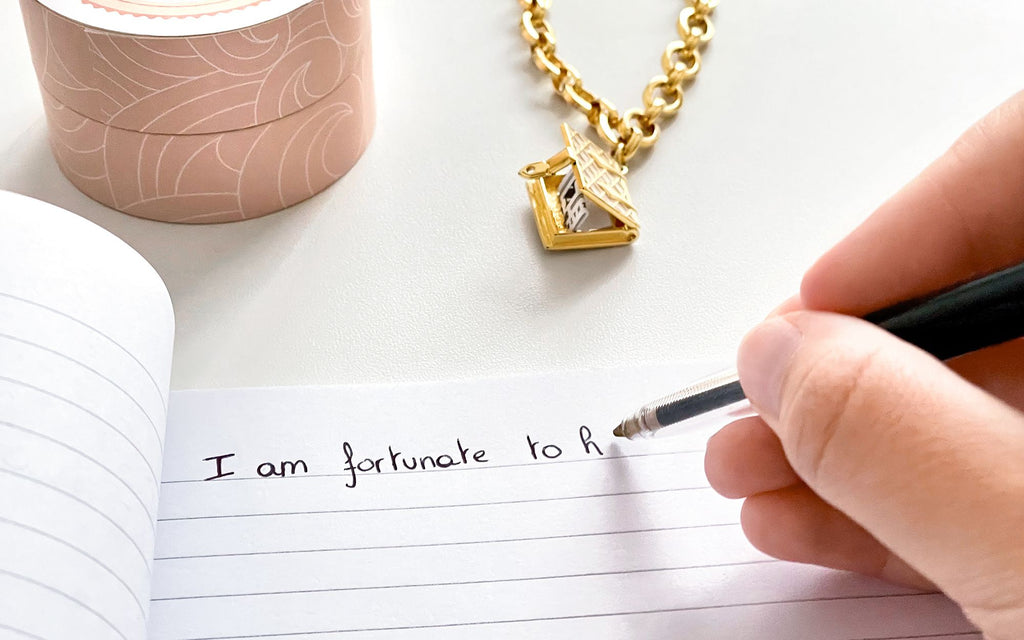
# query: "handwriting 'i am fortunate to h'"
{"type": "Point", "coordinates": [395, 461]}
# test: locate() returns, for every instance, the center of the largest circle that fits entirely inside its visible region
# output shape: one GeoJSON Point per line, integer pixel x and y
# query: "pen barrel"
{"type": "Point", "coordinates": [671, 410]}
{"type": "Point", "coordinates": [972, 316]}
{"type": "Point", "coordinates": [981, 313]}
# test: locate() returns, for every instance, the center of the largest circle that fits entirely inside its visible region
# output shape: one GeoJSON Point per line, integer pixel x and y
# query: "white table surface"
{"type": "Point", "coordinates": [423, 262]}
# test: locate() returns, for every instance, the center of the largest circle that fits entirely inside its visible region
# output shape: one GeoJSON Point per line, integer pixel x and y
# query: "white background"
{"type": "Point", "coordinates": [423, 262]}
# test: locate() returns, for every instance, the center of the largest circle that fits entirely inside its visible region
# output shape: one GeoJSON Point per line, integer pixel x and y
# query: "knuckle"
{"type": "Point", "coordinates": [1009, 115]}
{"type": "Point", "coordinates": [823, 414]}
{"type": "Point", "coordinates": [992, 131]}
{"type": "Point", "coordinates": [994, 142]}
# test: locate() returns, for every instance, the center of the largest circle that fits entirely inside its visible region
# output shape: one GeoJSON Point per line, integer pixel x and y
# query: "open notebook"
{"type": "Point", "coordinates": [496, 508]}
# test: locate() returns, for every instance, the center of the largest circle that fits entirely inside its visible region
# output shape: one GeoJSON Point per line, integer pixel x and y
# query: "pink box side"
{"type": "Point", "coordinates": [199, 84]}
{"type": "Point", "coordinates": [217, 177]}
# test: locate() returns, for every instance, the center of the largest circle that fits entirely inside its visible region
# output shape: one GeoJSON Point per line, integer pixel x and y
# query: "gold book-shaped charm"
{"type": "Point", "coordinates": [580, 198]}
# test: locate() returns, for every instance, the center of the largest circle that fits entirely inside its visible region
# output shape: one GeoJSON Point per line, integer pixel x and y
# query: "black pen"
{"type": "Point", "coordinates": [970, 316]}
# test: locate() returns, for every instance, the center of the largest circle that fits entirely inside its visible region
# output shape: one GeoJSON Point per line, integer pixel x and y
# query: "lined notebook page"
{"type": "Point", "coordinates": [538, 526]}
{"type": "Point", "coordinates": [85, 344]}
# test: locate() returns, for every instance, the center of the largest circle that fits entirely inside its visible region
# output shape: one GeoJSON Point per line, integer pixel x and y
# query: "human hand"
{"type": "Point", "coordinates": [870, 455]}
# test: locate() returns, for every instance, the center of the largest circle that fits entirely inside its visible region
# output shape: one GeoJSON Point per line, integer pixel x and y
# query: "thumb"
{"type": "Point", "coordinates": [931, 465]}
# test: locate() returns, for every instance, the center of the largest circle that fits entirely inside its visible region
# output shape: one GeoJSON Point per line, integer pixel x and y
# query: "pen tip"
{"type": "Point", "coordinates": [618, 432]}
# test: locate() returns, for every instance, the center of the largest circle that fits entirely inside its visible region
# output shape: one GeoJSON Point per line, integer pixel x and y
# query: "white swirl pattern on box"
{"type": "Point", "coordinates": [207, 128]}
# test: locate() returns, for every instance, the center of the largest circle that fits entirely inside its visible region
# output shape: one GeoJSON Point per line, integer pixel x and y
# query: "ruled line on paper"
{"type": "Point", "coordinates": [434, 506]}
{"type": "Point", "coordinates": [957, 634]}
{"type": "Point", "coordinates": [90, 507]}
{"type": "Point", "coordinates": [21, 632]}
{"type": "Point", "coordinates": [122, 348]}
{"type": "Point", "coordinates": [448, 544]}
{"type": "Point", "coordinates": [479, 623]}
{"type": "Point", "coordinates": [26, 430]}
{"type": "Point", "coordinates": [124, 392]}
{"type": "Point", "coordinates": [459, 583]}
{"type": "Point", "coordinates": [455, 469]}
{"type": "Point", "coordinates": [82, 552]}
{"type": "Point", "coordinates": [50, 394]}
{"type": "Point", "coordinates": [67, 596]}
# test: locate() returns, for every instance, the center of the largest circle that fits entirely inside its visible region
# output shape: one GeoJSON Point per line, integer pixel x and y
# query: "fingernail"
{"type": "Point", "coordinates": [763, 359]}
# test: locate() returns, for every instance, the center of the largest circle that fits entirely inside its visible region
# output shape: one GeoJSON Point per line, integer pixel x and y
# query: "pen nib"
{"type": "Point", "coordinates": [618, 432]}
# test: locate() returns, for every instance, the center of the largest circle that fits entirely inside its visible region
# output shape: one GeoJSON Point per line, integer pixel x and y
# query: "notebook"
{"type": "Point", "coordinates": [495, 508]}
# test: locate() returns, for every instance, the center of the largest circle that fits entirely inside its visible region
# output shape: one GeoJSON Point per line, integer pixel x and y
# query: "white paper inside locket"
{"type": "Point", "coordinates": [580, 213]}
{"type": "Point", "coordinates": [250, 13]}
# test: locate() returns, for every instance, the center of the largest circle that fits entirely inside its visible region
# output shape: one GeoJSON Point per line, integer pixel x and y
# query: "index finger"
{"type": "Point", "coordinates": [961, 218]}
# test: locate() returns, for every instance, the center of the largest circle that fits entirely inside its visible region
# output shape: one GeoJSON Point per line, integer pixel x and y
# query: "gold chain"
{"type": "Point", "coordinates": [638, 127]}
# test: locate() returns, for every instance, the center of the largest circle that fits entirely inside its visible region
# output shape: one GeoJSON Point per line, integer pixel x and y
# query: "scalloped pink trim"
{"type": "Point", "coordinates": [134, 14]}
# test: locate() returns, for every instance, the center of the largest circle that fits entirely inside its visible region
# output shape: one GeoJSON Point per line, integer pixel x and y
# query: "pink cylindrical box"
{"type": "Point", "coordinates": [205, 110]}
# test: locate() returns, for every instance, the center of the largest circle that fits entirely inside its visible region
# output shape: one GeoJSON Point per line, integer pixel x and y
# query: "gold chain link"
{"type": "Point", "coordinates": [662, 97]}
